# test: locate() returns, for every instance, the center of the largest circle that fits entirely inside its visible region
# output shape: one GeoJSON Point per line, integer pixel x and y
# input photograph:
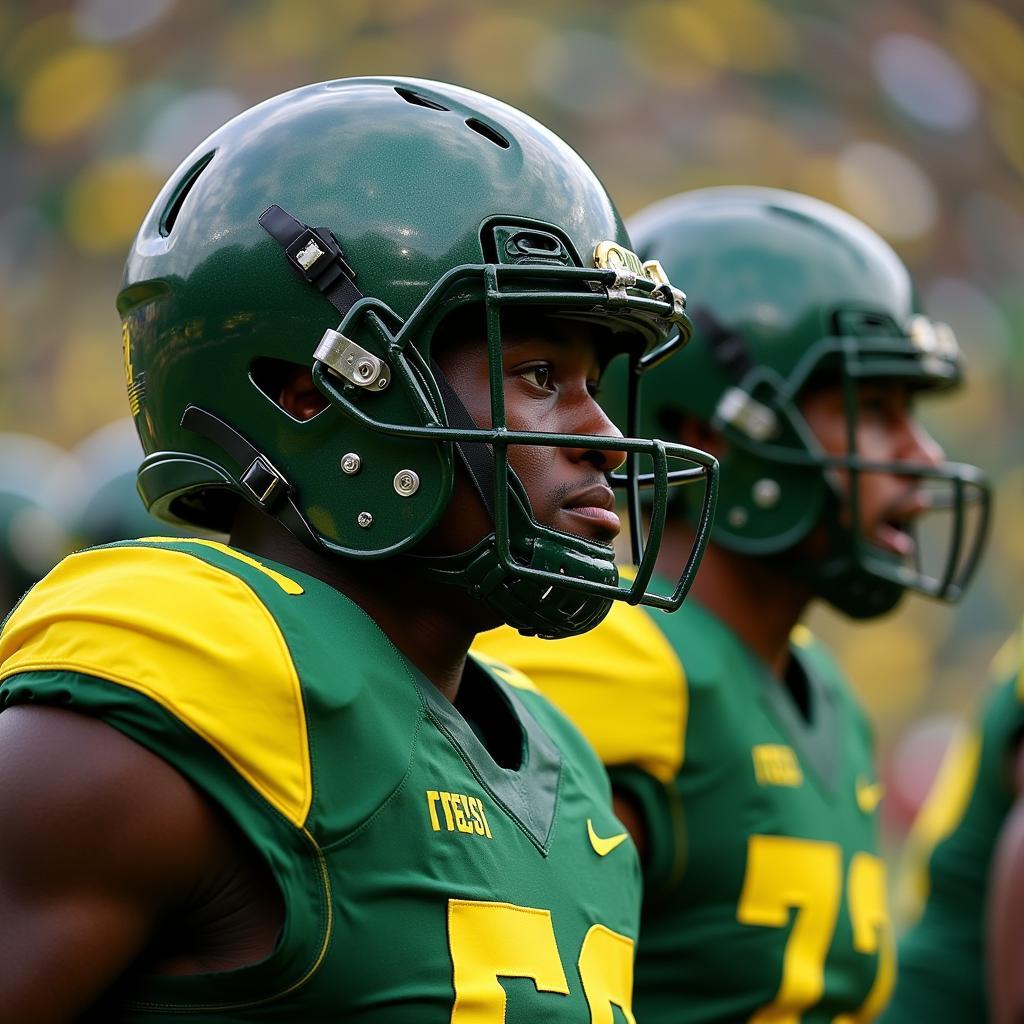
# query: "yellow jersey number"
{"type": "Point", "coordinates": [806, 875]}
{"type": "Point", "coordinates": [488, 941]}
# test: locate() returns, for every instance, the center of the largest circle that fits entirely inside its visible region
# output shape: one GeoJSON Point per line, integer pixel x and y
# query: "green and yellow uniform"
{"type": "Point", "coordinates": [949, 857]}
{"type": "Point", "coordinates": [765, 896]}
{"type": "Point", "coordinates": [422, 881]}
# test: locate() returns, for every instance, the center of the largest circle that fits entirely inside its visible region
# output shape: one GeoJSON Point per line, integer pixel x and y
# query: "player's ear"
{"type": "Point", "coordinates": [298, 395]}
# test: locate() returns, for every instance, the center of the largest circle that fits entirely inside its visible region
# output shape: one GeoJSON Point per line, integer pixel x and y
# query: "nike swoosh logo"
{"type": "Point", "coordinates": [602, 847]}
{"type": "Point", "coordinates": [869, 795]}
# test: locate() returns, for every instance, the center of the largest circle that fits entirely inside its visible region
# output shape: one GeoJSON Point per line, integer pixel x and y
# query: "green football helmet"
{"type": "Point", "coordinates": [32, 534]}
{"type": "Point", "coordinates": [789, 290]}
{"type": "Point", "coordinates": [335, 227]}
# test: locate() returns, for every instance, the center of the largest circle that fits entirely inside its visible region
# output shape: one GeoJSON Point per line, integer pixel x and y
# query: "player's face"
{"type": "Point", "coordinates": [886, 432]}
{"type": "Point", "coordinates": [551, 373]}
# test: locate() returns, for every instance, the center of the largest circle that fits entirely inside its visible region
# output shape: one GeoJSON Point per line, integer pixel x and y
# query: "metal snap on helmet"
{"type": "Point", "coordinates": [787, 290]}
{"type": "Point", "coordinates": [335, 227]}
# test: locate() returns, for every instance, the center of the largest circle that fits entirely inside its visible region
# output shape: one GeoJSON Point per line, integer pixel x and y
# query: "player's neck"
{"type": "Point", "coordinates": [760, 605]}
{"type": "Point", "coordinates": [427, 625]}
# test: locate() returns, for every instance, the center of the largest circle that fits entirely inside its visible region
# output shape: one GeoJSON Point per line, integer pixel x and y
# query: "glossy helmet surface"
{"type": "Point", "coordinates": [335, 227]}
{"type": "Point", "coordinates": [787, 290]}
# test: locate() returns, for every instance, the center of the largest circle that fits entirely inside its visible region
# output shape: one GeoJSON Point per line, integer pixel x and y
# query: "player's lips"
{"type": "Point", "coordinates": [892, 532]}
{"type": "Point", "coordinates": [596, 505]}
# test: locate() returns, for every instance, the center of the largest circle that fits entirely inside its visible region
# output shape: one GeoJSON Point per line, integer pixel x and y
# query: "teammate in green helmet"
{"type": "Point", "coordinates": [739, 755]}
{"type": "Point", "coordinates": [32, 531]}
{"type": "Point", "coordinates": [363, 328]}
{"type": "Point", "coordinates": [802, 309]}
{"type": "Point", "coordinates": [963, 883]}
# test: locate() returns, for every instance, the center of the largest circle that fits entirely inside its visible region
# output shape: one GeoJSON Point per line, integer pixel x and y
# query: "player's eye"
{"type": "Point", "coordinates": [880, 406]}
{"type": "Point", "coordinates": [539, 376]}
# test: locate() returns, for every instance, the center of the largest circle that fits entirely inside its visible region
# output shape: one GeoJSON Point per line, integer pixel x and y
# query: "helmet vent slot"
{"type": "Point", "coordinates": [489, 133]}
{"type": "Point", "coordinates": [180, 193]}
{"type": "Point", "coordinates": [864, 323]}
{"type": "Point", "coordinates": [418, 100]}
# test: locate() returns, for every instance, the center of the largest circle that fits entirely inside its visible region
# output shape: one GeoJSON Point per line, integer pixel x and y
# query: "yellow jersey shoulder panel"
{"type": "Point", "coordinates": [190, 636]}
{"type": "Point", "coordinates": [510, 675]}
{"type": "Point", "coordinates": [621, 684]}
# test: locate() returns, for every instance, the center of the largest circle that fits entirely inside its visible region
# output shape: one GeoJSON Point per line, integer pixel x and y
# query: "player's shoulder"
{"type": "Point", "coordinates": [622, 684]}
{"type": "Point", "coordinates": [190, 604]}
{"type": "Point", "coordinates": [197, 597]}
{"type": "Point", "coordinates": [628, 643]}
{"type": "Point", "coordinates": [106, 572]}
{"type": "Point", "coordinates": [164, 635]}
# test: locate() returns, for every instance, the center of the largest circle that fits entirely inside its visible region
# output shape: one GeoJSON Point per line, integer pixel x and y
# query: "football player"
{"type": "Point", "coordinates": [32, 533]}
{"type": "Point", "coordinates": [363, 325]}
{"type": "Point", "coordinates": [739, 756]}
{"type": "Point", "coordinates": [961, 961]}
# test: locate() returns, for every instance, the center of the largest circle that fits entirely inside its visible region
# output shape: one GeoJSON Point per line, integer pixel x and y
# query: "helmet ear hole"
{"type": "Point", "coordinates": [289, 386]}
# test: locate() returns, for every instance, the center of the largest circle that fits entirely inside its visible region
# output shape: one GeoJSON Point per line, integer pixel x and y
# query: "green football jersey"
{"type": "Point", "coordinates": [422, 882]}
{"type": "Point", "coordinates": [949, 856]}
{"type": "Point", "coordinates": [765, 895]}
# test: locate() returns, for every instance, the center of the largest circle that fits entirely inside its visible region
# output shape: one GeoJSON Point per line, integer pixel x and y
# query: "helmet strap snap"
{"type": "Point", "coordinates": [316, 256]}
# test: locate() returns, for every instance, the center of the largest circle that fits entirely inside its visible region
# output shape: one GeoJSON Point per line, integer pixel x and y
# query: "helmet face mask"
{"type": "Point", "coordinates": [540, 579]}
{"type": "Point", "coordinates": [372, 474]}
{"type": "Point", "coordinates": [821, 301]}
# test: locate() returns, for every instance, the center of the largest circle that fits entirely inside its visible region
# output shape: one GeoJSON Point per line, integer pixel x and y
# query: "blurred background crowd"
{"type": "Point", "coordinates": [908, 113]}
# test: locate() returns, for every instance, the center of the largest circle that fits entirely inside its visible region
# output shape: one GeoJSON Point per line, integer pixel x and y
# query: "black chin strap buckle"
{"type": "Point", "coordinates": [261, 481]}
{"type": "Point", "coordinates": [264, 484]}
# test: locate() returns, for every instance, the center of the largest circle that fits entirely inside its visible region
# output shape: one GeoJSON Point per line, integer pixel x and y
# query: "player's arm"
{"type": "Point", "coordinates": [1006, 912]}
{"type": "Point", "coordinates": [99, 838]}
{"type": "Point", "coordinates": [632, 817]}
{"type": "Point", "coordinates": [651, 810]}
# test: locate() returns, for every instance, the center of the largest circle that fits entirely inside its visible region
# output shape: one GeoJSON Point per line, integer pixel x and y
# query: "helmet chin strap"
{"type": "Point", "coordinates": [477, 458]}
{"type": "Point", "coordinates": [260, 481]}
{"type": "Point", "coordinates": [838, 576]}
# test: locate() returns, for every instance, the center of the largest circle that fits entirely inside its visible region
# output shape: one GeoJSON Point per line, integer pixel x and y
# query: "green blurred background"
{"type": "Point", "coordinates": [908, 114]}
